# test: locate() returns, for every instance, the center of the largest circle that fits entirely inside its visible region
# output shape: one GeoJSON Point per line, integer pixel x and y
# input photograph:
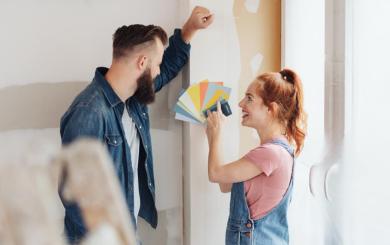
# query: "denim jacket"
{"type": "Point", "coordinates": [97, 112]}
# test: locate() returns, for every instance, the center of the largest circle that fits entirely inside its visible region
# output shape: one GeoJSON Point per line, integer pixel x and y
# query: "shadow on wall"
{"type": "Point", "coordinates": [161, 111]}
{"type": "Point", "coordinates": [41, 105]}
{"type": "Point", "coordinates": [36, 106]}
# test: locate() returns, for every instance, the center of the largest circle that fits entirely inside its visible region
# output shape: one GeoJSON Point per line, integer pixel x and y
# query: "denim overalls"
{"type": "Point", "coordinates": [271, 229]}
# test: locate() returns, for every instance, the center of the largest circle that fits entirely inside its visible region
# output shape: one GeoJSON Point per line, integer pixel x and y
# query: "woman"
{"type": "Point", "coordinates": [261, 181]}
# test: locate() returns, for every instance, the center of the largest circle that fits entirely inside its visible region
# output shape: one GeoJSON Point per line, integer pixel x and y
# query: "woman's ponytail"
{"type": "Point", "coordinates": [296, 118]}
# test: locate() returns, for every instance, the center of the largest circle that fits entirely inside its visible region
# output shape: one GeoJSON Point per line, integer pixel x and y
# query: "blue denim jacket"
{"type": "Point", "coordinates": [97, 113]}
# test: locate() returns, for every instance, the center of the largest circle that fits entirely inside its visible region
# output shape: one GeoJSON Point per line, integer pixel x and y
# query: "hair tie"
{"type": "Point", "coordinates": [286, 77]}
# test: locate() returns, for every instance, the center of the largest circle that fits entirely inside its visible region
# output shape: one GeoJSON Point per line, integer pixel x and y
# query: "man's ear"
{"type": "Point", "coordinates": [142, 62]}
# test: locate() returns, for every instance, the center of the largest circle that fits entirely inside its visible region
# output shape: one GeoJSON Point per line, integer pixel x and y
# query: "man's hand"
{"type": "Point", "coordinates": [200, 18]}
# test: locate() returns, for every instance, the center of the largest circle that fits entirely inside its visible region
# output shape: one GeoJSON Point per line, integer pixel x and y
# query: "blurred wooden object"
{"type": "Point", "coordinates": [92, 182]}
{"type": "Point", "coordinates": [29, 210]}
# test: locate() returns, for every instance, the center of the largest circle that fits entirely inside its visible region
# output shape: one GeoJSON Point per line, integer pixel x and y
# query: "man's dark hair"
{"type": "Point", "coordinates": [127, 37]}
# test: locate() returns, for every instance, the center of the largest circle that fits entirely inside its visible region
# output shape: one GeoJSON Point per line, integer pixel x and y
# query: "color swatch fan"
{"type": "Point", "coordinates": [198, 98]}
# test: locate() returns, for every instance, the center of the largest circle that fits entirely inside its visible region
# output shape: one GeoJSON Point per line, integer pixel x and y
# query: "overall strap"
{"type": "Point", "coordinates": [285, 145]}
{"type": "Point", "coordinates": [290, 150]}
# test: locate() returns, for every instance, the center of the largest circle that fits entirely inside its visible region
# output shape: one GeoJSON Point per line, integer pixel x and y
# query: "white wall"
{"type": "Point", "coordinates": [55, 41]}
{"type": "Point", "coordinates": [303, 50]}
{"type": "Point", "coordinates": [352, 199]}
{"type": "Point", "coordinates": [366, 219]}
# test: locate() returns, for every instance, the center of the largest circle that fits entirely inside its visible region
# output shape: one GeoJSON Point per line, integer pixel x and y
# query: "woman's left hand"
{"type": "Point", "coordinates": [215, 121]}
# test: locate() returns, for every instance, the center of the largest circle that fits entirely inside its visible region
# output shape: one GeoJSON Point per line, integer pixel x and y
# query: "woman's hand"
{"type": "Point", "coordinates": [215, 121]}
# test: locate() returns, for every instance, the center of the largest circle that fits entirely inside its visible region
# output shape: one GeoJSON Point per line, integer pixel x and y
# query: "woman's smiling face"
{"type": "Point", "coordinates": [254, 113]}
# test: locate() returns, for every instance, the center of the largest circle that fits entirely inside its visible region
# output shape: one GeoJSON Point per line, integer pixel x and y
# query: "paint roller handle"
{"type": "Point", "coordinates": [225, 107]}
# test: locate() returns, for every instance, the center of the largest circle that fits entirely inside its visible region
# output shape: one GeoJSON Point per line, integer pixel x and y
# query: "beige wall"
{"type": "Point", "coordinates": [258, 33]}
{"type": "Point", "coordinates": [215, 55]}
{"type": "Point", "coordinates": [49, 52]}
{"type": "Point", "coordinates": [229, 51]}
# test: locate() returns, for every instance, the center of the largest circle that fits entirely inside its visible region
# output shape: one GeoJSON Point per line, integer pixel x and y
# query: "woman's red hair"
{"type": "Point", "coordinates": [285, 89]}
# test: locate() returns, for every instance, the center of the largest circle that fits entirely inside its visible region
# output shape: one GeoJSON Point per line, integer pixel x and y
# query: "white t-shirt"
{"type": "Point", "coordinates": [133, 141]}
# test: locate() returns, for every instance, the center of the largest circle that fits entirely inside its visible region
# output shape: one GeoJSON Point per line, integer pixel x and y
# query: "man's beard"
{"type": "Point", "coordinates": [145, 88]}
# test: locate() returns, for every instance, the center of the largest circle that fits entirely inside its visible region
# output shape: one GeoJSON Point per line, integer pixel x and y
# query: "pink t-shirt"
{"type": "Point", "coordinates": [266, 190]}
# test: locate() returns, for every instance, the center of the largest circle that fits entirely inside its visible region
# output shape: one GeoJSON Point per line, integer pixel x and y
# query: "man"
{"type": "Point", "coordinates": [113, 109]}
